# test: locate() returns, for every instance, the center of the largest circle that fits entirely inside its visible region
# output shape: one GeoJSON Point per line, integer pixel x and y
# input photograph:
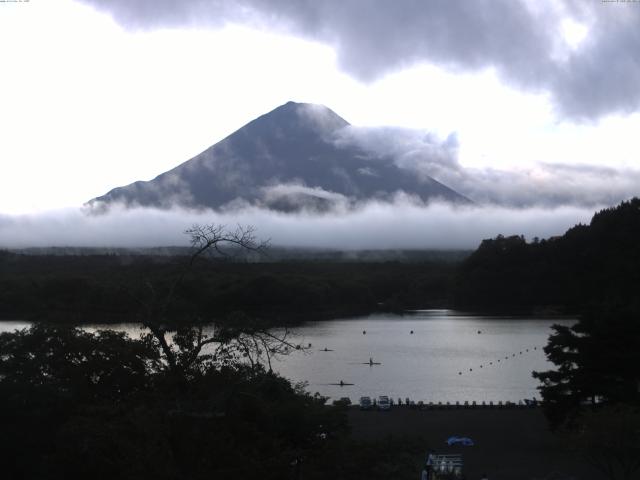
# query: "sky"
{"type": "Point", "coordinates": [541, 97]}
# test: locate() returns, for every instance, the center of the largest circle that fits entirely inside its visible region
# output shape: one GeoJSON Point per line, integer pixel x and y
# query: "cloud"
{"type": "Point", "coordinates": [401, 224]}
{"type": "Point", "coordinates": [295, 196]}
{"type": "Point", "coordinates": [545, 185]}
{"type": "Point", "coordinates": [532, 45]}
{"type": "Point", "coordinates": [602, 75]}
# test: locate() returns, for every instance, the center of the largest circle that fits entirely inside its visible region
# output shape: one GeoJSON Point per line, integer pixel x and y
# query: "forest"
{"type": "Point", "coordinates": [110, 288]}
{"type": "Point", "coordinates": [589, 266]}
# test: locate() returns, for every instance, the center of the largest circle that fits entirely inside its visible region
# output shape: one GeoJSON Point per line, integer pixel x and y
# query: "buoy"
{"type": "Point", "coordinates": [459, 373]}
{"type": "Point", "coordinates": [479, 332]}
{"type": "Point", "coordinates": [491, 363]}
{"type": "Point", "coordinates": [480, 366]}
{"type": "Point", "coordinates": [411, 332]}
{"type": "Point", "coordinates": [471, 369]}
{"type": "Point", "coordinates": [364, 332]}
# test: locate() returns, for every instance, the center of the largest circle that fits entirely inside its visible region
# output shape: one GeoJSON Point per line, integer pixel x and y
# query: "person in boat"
{"type": "Point", "coordinates": [370, 361]}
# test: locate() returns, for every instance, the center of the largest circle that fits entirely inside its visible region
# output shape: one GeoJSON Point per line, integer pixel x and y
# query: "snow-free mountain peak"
{"type": "Point", "coordinates": [291, 158]}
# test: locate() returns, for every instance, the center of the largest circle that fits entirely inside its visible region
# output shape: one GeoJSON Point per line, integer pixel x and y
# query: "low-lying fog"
{"type": "Point", "coordinates": [398, 225]}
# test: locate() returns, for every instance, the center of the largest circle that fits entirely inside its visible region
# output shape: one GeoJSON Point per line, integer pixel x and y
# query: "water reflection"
{"type": "Point", "coordinates": [448, 357]}
{"type": "Point", "coordinates": [429, 355]}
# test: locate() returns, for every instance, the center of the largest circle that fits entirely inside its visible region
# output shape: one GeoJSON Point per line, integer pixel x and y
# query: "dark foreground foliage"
{"type": "Point", "coordinates": [592, 396]}
{"type": "Point", "coordinates": [100, 405]}
{"type": "Point", "coordinates": [597, 363]}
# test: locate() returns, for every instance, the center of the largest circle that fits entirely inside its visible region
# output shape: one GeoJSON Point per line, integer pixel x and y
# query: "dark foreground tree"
{"type": "Point", "coordinates": [593, 395]}
{"type": "Point", "coordinates": [70, 362]}
{"type": "Point", "coordinates": [48, 374]}
{"type": "Point", "coordinates": [187, 350]}
{"type": "Point", "coordinates": [75, 404]}
{"type": "Point", "coordinates": [597, 363]}
{"type": "Point", "coordinates": [181, 346]}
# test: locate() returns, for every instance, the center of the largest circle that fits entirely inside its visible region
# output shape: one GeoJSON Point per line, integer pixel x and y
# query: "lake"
{"type": "Point", "coordinates": [451, 356]}
{"type": "Point", "coordinates": [496, 364]}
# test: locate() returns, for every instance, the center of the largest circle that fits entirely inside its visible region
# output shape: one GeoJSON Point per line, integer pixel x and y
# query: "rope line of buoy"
{"type": "Point", "coordinates": [507, 357]}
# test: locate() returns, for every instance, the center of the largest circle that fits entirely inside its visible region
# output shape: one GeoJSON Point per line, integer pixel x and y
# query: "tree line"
{"type": "Point", "coordinates": [590, 265]}
{"type": "Point", "coordinates": [108, 288]}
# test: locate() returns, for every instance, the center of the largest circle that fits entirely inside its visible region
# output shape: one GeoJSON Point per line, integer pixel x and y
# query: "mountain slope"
{"type": "Point", "coordinates": [287, 159]}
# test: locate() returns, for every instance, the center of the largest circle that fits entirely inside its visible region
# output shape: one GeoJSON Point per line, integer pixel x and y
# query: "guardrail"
{"type": "Point", "coordinates": [420, 405]}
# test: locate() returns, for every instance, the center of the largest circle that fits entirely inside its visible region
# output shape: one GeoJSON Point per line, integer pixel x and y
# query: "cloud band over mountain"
{"type": "Point", "coordinates": [541, 185]}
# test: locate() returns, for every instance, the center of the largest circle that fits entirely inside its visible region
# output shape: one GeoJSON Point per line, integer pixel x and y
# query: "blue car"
{"type": "Point", "coordinates": [464, 441]}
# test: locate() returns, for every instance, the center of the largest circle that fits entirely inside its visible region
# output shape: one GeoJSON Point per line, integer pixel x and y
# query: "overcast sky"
{"type": "Point", "coordinates": [100, 93]}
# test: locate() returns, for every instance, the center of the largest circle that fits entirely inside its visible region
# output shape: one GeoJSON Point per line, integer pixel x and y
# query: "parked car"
{"type": "Point", "coordinates": [365, 403]}
{"type": "Point", "coordinates": [466, 441]}
{"type": "Point", "coordinates": [344, 401]}
{"type": "Point", "coordinates": [384, 403]}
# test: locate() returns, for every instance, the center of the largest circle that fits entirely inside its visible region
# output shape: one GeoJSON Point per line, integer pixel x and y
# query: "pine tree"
{"type": "Point", "coordinates": [598, 362]}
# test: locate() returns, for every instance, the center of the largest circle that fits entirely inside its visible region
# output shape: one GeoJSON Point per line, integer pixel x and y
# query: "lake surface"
{"type": "Point", "coordinates": [425, 365]}
{"type": "Point", "coordinates": [445, 359]}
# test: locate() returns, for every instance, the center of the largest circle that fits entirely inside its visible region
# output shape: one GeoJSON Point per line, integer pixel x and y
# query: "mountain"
{"type": "Point", "coordinates": [288, 159]}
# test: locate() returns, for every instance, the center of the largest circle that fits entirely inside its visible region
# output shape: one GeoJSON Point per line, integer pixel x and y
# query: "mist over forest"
{"type": "Point", "coordinates": [399, 225]}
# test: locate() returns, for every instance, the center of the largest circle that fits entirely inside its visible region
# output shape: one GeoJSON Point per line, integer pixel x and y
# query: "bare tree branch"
{"type": "Point", "coordinates": [203, 238]}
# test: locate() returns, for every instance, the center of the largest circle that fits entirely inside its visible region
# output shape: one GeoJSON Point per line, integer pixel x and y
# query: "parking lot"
{"type": "Point", "coordinates": [508, 443]}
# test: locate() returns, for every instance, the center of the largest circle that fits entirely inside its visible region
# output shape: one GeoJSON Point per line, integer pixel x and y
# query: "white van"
{"type": "Point", "coordinates": [384, 403]}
